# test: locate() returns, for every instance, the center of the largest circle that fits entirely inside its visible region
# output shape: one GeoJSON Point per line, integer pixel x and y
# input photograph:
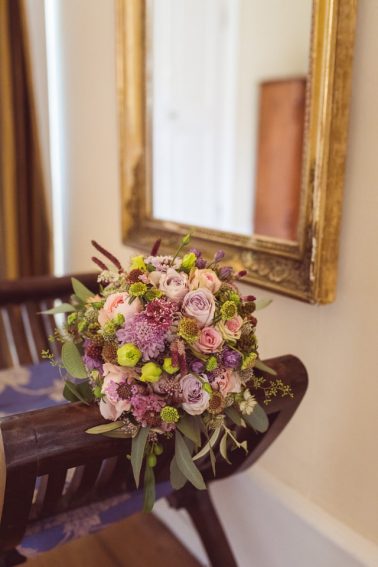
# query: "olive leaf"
{"type": "Point", "coordinates": [81, 291]}
{"type": "Point", "coordinates": [105, 427]}
{"type": "Point", "coordinates": [223, 448]}
{"type": "Point", "coordinates": [264, 367]}
{"type": "Point", "coordinates": [190, 427]}
{"type": "Point", "coordinates": [185, 463]}
{"type": "Point", "coordinates": [258, 419]}
{"type": "Point", "coordinates": [62, 308]}
{"type": "Point", "coordinates": [149, 489]}
{"type": "Point", "coordinates": [262, 303]}
{"type": "Point", "coordinates": [178, 480]}
{"type": "Point", "coordinates": [206, 448]}
{"type": "Point", "coordinates": [72, 361]}
{"type": "Point", "coordinates": [138, 445]}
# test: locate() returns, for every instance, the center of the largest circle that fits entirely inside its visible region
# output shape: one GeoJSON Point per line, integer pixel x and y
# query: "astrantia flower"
{"type": "Point", "coordinates": [169, 414]}
{"type": "Point", "coordinates": [188, 329]}
{"type": "Point", "coordinates": [248, 403]}
{"type": "Point", "coordinates": [92, 355]}
{"type": "Point", "coordinates": [145, 334]}
{"type": "Point", "coordinates": [137, 289]}
{"type": "Point", "coordinates": [216, 403]}
{"type": "Point", "coordinates": [161, 312]}
{"type": "Point", "coordinates": [228, 310]}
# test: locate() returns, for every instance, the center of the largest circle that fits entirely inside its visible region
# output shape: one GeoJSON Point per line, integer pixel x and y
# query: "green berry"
{"type": "Point", "coordinates": [151, 460]}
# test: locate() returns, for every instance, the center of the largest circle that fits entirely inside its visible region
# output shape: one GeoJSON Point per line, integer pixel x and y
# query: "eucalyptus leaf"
{"type": "Point", "coordinates": [185, 463]}
{"type": "Point", "coordinates": [223, 448]}
{"type": "Point", "coordinates": [190, 427]}
{"type": "Point", "coordinates": [235, 416]}
{"type": "Point", "coordinates": [72, 392]}
{"type": "Point", "coordinates": [206, 448]}
{"type": "Point", "coordinates": [72, 361]}
{"type": "Point", "coordinates": [262, 303]}
{"type": "Point", "coordinates": [149, 489]}
{"type": "Point", "coordinates": [138, 445]}
{"type": "Point", "coordinates": [213, 460]}
{"type": "Point", "coordinates": [105, 427]}
{"type": "Point", "coordinates": [264, 367]}
{"type": "Point", "coordinates": [80, 290]}
{"type": "Point", "coordinates": [178, 480]}
{"type": "Point", "coordinates": [258, 419]}
{"type": "Point", "coordinates": [62, 308]}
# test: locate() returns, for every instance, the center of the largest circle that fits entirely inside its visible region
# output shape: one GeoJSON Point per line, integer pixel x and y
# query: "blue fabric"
{"type": "Point", "coordinates": [26, 388]}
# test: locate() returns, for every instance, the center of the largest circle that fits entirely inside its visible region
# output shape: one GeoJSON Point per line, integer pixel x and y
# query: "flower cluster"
{"type": "Point", "coordinates": [167, 341]}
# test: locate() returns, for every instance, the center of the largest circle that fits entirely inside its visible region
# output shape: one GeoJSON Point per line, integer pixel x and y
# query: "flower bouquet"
{"type": "Point", "coordinates": [168, 350]}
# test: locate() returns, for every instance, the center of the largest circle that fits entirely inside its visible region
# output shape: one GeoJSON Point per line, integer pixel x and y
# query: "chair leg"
{"type": "Point", "coordinates": [205, 519]}
{"type": "Point", "coordinates": [11, 558]}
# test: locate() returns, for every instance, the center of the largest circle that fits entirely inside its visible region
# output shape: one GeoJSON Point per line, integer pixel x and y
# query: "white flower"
{"type": "Point", "coordinates": [248, 404]}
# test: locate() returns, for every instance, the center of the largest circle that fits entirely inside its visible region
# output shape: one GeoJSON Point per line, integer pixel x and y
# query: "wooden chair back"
{"type": "Point", "coordinates": [51, 443]}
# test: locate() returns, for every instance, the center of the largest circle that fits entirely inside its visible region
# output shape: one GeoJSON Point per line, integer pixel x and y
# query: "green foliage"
{"type": "Point", "coordinates": [262, 303]}
{"type": "Point", "coordinates": [178, 480]}
{"type": "Point", "coordinates": [62, 308]}
{"type": "Point", "coordinates": [223, 448]}
{"type": "Point", "coordinates": [78, 392]}
{"type": "Point", "coordinates": [138, 446]}
{"type": "Point", "coordinates": [72, 361]}
{"type": "Point", "coordinates": [258, 419]}
{"type": "Point", "coordinates": [206, 448]}
{"type": "Point", "coordinates": [81, 291]}
{"type": "Point", "coordinates": [235, 416]}
{"type": "Point", "coordinates": [104, 428]}
{"type": "Point", "coordinates": [190, 427]}
{"type": "Point", "coordinates": [264, 367]}
{"type": "Point", "coordinates": [186, 464]}
{"type": "Point", "coordinates": [149, 489]}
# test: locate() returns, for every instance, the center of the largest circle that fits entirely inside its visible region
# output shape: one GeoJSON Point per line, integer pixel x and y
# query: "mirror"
{"type": "Point", "coordinates": [231, 112]}
{"type": "Point", "coordinates": [227, 89]}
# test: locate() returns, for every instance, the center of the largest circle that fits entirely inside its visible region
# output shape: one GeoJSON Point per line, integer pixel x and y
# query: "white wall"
{"type": "Point", "coordinates": [328, 454]}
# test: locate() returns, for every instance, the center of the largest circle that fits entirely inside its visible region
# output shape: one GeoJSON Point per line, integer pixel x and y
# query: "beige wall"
{"type": "Point", "coordinates": [329, 451]}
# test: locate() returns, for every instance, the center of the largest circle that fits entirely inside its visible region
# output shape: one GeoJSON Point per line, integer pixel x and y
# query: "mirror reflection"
{"type": "Point", "coordinates": [226, 102]}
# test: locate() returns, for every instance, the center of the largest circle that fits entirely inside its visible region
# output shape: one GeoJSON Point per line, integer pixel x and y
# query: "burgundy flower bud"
{"type": "Point", "coordinates": [225, 272]}
{"type": "Point", "coordinates": [242, 273]}
{"type": "Point", "coordinates": [201, 263]}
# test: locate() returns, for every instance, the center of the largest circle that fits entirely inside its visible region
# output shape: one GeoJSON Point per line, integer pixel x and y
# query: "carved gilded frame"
{"type": "Point", "coordinates": [305, 269]}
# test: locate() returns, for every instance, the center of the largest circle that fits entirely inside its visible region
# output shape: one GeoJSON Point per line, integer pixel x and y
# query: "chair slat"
{"type": "Point", "coordinates": [19, 334]}
{"type": "Point", "coordinates": [38, 332]}
{"type": "Point", "coordinates": [54, 490]}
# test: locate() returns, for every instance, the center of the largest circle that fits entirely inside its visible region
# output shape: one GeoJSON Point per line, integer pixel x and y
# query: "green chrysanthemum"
{"type": "Point", "coordinates": [228, 310]}
{"type": "Point", "coordinates": [137, 289]}
{"type": "Point", "coordinates": [211, 364]}
{"type": "Point", "coordinates": [169, 414]}
{"type": "Point", "coordinates": [249, 361]}
{"type": "Point", "coordinates": [188, 329]}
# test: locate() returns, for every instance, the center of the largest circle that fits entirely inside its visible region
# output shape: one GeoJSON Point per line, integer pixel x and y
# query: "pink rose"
{"type": "Point", "coordinates": [231, 329]}
{"type": "Point", "coordinates": [112, 405]}
{"type": "Point", "coordinates": [227, 383]}
{"type": "Point", "coordinates": [174, 284]}
{"type": "Point", "coordinates": [118, 303]}
{"type": "Point", "coordinates": [205, 278]}
{"type": "Point", "coordinates": [196, 399]}
{"type": "Point", "coordinates": [200, 305]}
{"type": "Point", "coordinates": [210, 340]}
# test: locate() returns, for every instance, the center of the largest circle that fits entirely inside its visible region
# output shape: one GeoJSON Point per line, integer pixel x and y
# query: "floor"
{"type": "Point", "coordinates": [140, 541]}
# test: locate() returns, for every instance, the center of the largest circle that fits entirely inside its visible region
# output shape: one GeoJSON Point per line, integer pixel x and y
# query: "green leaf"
{"type": "Point", "coordinates": [149, 489]}
{"type": "Point", "coordinates": [81, 291]}
{"type": "Point", "coordinates": [72, 361]}
{"type": "Point", "coordinates": [206, 448]}
{"type": "Point", "coordinates": [185, 463]}
{"type": "Point", "coordinates": [178, 480]}
{"type": "Point", "coordinates": [258, 419]}
{"type": "Point", "coordinates": [118, 434]}
{"type": "Point", "coordinates": [262, 303]}
{"type": "Point", "coordinates": [223, 448]}
{"type": "Point", "coordinates": [72, 392]}
{"type": "Point", "coordinates": [235, 416]}
{"type": "Point", "coordinates": [190, 427]}
{"type": "Point", "coordinates": [264, 367]}
{"type": "Point", "coordinates": [213, 460]}
{"type": "Point", "coordinates": [105, 427]}
{"type": "Point", "coordinates": [138, 445]}
{"type": "Point", "coordinates": [62, 308]}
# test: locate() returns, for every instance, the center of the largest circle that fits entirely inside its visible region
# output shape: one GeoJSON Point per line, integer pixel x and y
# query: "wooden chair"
{"type": "Point", "coordinates": [45, 444]}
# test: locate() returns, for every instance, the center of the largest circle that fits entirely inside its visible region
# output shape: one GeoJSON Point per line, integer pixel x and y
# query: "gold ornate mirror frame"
{"type": "Point", "coordinates": [305, 269]}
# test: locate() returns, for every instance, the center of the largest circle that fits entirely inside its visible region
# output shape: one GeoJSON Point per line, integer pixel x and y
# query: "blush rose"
{"type": "Point", "coordinates": [118, 303]}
